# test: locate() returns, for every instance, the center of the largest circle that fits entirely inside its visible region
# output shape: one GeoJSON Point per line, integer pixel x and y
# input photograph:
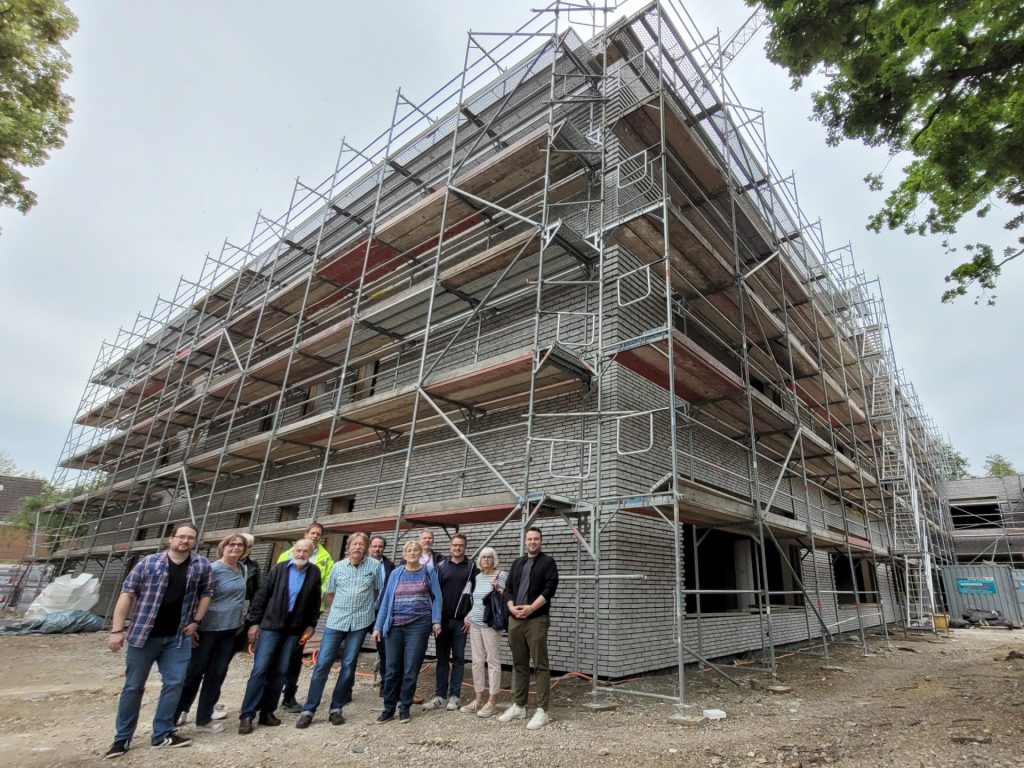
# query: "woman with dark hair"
{"type": "Point", "coordinates": [410, 612]}
{"type": "Point", "coordinates": [216, 644]}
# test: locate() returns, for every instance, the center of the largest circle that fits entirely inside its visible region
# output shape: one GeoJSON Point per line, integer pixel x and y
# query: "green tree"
{"type": "Point", "coordinates": [34, 112]}
{"type": "Point", "coordinates": [997, 465]}
{"type": "Point", "coordinates": [941, 82]}
{"type": "Point", "coordinates": [7, 465]}
{"type": "Point", "coordinates": [957, 465]}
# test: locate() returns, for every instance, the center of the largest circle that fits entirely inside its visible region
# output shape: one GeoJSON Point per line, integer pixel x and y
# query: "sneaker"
{"type": "Point", "coordinates": [337, 718]}
{"type": "Point", "coordinates": [385, 716]}
{"type": "Point", "coordinates": [470, 708]}
{"type": "Point", "coordinates": [174, 740]}
{"type": "Point", "coordinates": [434, 702]}
{"type": "Point", "coordinates": [293, 707]}
{"type": "Point", "coordinates": [117, 749]}
{"type": "Point", "coordinates": [244, 725]}
{"type": "Point", "coordinates": [268, 718]}
{"type": "Point", "coordinates": [539, 720]}
{"type": "Point", "coordinates": [453, 704]}
{"type": "Point", "coordinates": [211, 727]}
{"type": "Point", "coordinates": [487, 710]}
{"type": "Point", "coordinates": [219, 712]}
{"type": "Point", "coordinates": [514, 712]}
{"type": "Point", "coordinates": [305, 720]}
{"type": "Point", "coordinates": [404, 716]}
{"type": "Point", "coordinates": [182, 719]}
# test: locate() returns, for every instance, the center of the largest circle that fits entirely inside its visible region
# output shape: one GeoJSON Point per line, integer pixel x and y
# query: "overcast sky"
{"type": "Point", "coordinates": [192, 116]}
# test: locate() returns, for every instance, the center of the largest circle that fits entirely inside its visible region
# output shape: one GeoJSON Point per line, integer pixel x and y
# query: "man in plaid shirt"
{"type": "Point", "coordinates": [167, 595]}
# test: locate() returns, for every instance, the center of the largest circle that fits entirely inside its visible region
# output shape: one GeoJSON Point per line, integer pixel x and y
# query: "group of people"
{"type": "Point", "coordinates": [190, 616]}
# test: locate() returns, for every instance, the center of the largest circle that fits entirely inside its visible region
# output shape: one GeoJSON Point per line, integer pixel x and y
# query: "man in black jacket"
{"type": "Point", "coordinates": [453, 573]}
{"type": "Point", "coordinates": [531, 584]}
{"type": "Point", "coordinates": [377, 546]}
{"type": "Point", "coordinates": [286, 608]}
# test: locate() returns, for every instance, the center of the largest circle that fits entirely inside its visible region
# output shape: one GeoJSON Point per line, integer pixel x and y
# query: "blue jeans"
{"type": "Point", "coordinates": [269, 669]}
{"type": "Point", "coordinates": [171, 655]}
{"type": "Point", "coordinates": [450, 644]}
{"type": "Point", "coordinates": [334, 642]}
{"type": "Point", "coordinates": [405, 648]}
{"type": "Point", "coordinates": [209, 667]}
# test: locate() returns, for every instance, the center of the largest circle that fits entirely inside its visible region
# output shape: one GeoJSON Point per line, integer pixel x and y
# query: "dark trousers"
{"type": "Point", "coordinates": [406, 646]}
{"type": "Point", "coordinates": [291, 681]}
{"type": "Point", "coordinates": [209, 667]}
{"type": "Point", "coordinates": [529, 638]}
{"type": "Point", "coordinates": [451, 658]}
{"type": "Point", "coordinates": [269, 668]}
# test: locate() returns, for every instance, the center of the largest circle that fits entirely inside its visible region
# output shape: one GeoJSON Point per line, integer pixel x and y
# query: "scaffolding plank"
{"type": "Point", "coordinates": [639, 127]}
{"type": "Point", "coordinates": [698, 375]}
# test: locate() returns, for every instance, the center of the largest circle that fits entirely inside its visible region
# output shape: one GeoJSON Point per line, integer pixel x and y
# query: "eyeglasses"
{"type": "Point", "coordinates": [229, 546]}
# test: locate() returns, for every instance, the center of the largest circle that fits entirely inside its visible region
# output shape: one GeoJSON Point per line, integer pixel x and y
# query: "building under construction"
{"type": "Point", "coordinates": [568, 289]}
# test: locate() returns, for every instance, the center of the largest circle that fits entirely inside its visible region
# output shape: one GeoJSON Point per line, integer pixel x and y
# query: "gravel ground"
{"type": "Point", "coordinates": [924, 701]}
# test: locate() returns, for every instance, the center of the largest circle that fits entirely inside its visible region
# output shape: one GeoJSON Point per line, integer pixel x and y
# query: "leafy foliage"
{"type": "Point", "coordinates": [34, 113]}
{"type": "Point", "coordinates": [942, 81]}
{"type": "Point", "coordinates": [7, 465]}
{"type": "Point", "coordinates": [957, 465]}
{"type": "Point", "coordinates": [997, 465]}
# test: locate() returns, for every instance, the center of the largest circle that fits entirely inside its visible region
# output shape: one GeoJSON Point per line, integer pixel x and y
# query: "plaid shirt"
{"type": "Point", "coordinates": [356, 590]}
{"type": "Point", "coordinates": [148, 582]}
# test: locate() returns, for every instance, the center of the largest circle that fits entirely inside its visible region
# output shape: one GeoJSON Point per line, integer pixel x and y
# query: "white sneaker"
{"type": "Point", "coordinates": [515, 712]}
{"type": "Point", "coordinates": [434, 702]}
{"type": "Point", "coordinates": [453, 703]}
{"type": "Point", "coordinates": [539, 720]}
{"type": "Point", "coordinates": [219, 712]}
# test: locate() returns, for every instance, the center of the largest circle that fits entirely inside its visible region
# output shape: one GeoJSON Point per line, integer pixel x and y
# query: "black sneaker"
{"type": "Point", "coordinates": [305, 720]}
{"type": "Point", "coordinates": [404, 716]}
{"type": "Point", "coordinates": [337, 718]}
{"type": "Point", "coordinates": [174, 740]}
{"type": "Point", "coordinates": [386, 716]}
{"type": "Point", "coordinates": [118, 748]}
{"type": "Point", "coordinates": [245, 725]}
{"type": "Point", "coordinates": [291, 706]}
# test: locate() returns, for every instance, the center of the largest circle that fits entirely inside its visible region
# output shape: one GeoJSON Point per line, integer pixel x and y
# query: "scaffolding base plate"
{"type": "Point", "coordinates": [780, 688]}
{"type": "Point", "coordinates": [599, 706]}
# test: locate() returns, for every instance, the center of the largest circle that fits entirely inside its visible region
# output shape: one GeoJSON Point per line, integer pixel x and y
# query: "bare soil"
{"type": "Point", "coordinates": [953, 700]}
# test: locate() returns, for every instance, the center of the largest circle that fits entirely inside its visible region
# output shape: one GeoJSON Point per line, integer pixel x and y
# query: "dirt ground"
{"type": "Point", "coordinates": [952, 700]}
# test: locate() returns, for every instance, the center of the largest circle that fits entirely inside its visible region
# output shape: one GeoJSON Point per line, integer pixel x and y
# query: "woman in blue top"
{"type": "Point", "coordinates": [410, 611]}
{"type": "Point", "coordinates": [211, 657]}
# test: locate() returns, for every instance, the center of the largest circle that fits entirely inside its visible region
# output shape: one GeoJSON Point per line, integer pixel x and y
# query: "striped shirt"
{"type": "Point", "coordinates": [148, 582]}
{"type": "Point", "coordinates": [412, 597]}
{"type": "Point", "coordinates": [356, 590]}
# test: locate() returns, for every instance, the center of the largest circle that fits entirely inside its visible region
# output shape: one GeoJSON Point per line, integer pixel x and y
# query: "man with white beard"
{"type": "Point", "coordinates": [285, 609]}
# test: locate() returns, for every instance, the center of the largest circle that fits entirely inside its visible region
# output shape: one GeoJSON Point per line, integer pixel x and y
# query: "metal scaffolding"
{"type": "Point", "coordinates": [570, 285]}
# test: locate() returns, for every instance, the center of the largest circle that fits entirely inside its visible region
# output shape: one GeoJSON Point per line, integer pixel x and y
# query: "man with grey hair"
{"type": "Point", "coordinates": [285, 609]}
{"type": "Point", "coordinates": [352, 595]}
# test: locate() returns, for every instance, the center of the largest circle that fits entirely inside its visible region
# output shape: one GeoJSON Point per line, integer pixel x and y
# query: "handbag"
{"type": "Point", "coordinates": [465, 604]}
{"type": "Point", "coordinates": [495, 611]}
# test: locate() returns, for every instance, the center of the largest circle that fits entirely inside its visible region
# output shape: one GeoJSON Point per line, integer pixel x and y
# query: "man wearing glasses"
{"type": "Point", "coordinates": [166, 596]}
